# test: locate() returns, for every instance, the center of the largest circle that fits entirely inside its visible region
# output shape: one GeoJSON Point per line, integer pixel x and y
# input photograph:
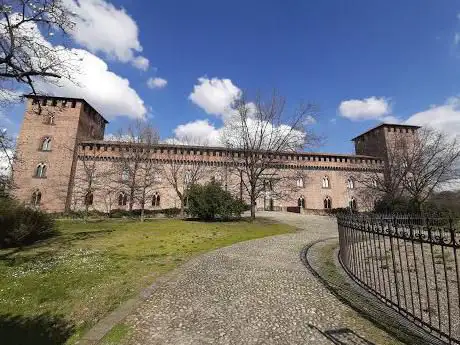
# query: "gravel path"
{"type": "Point", "coordinates": [255, 292]}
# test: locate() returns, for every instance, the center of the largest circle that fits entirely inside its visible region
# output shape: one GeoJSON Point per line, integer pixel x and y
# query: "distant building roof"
{"type": "Point", "coordinates": [385, 125]}
{"type": "Point", "coordinates": [68, 98]}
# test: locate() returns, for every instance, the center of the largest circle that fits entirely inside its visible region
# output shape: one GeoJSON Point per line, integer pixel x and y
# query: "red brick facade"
{"type": "Point", "coordinates": [53, 158]}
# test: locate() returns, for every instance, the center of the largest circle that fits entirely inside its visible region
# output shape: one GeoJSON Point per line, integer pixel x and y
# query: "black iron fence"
{"type": "Point", "coordinates": [410, 263]}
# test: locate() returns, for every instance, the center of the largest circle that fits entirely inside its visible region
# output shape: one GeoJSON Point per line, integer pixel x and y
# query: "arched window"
{"type": "Point", "coordinates": [46, 144]}
{"type": "Point", "coordinates": [156, 200]}
{"type": "Point", "coordinates": [218, 178]}
{"type": "Point", "coordinates": [374, 183]}
{"type": "Point", "coordinates": [89, 199]}
{"type": "Point", "coordinates": [327, 203]}
{"type": "Point", "coordinates": [122, 199]}
{"type": "Point", "coordinates": [40, 170]}
{"type": "Point", "coordinates": [352, 204]}
{"type": "Point", "coordinates": [188, 177]}
{"type": "Point", "coordinates": [326, 183]}
{"type": "Point", "coordinates": [301, 201]}
{"type": "Point", "coordinates": [350, 183]}
{"type": "Point", "coordinates": [36, 198]}
{"type": "Point", "coordinates": [300, 182]}
{"type": "Point", "coordinates": [125, 174]}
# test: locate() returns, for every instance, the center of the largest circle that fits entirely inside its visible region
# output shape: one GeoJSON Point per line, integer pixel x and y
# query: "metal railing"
{"type": "Point", "coordinates": [410, 263]}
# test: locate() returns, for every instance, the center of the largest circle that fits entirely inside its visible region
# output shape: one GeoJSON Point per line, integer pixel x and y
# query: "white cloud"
{"type": "Point", "coordinates": [141, 63]}
{"type": "Point", "coordinates": [106, 91]}
{"type": "Point", "coordinates": [5, 163]}
{"type": "Point", "coordinates": [156, 83]}
{"type": "Point", "coordinates": [215, 96]}
{"type": "Point", "coordinates": [198, 132]}
{"type": "Point", "coordinates": [85, 76]}
{"type": "Point", "coordinates": [372, 108]}
{"type": "Point", "coordinates": [456, 38]}
{"type": "Point", "coordinates": [445, 117]}
{"type": "Point", "coordinates": [310, 120]}
{"type": "Point", "coordinates": [101, 27]}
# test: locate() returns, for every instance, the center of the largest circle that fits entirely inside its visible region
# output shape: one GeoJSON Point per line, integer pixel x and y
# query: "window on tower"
{"type": "Point", "coordinates": [46, 144]}
{"type": "Point", "coordinates": [40, 171]}
{"type": "Point", "coordinates": [36, 198]}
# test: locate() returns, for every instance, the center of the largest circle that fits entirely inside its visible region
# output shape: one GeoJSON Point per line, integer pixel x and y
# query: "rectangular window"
{"type": "Point", "coordinates": [44, 102]}
{"type": "Point", "coordinates": [54, 102]}
{"type": "Point", "coordinates": [74, 104]}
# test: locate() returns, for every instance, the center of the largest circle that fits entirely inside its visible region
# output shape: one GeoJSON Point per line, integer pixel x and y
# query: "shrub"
{"type": "Point", "coordinates": [210, 201]}
{"type": "Point", "coordinates": [20, 225]}
{"type": "Point", "coordinates": [398, 205]}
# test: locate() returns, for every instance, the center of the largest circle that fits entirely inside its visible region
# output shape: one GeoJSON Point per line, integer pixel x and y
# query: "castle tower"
{"type": "Point", "coordinates": [379, 140]}
{"type": "Point", "coordinates": [46, 149]}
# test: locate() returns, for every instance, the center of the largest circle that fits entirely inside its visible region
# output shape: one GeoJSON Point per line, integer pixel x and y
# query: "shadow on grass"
{"type": "Point", "coordinates": [50, 245]}
{"type": "Point", "coordinates": [343, 336]}
{"type": "Point", "coordinates": [257, 220]}
{"type": "Point", "coordinates": [43, 329]}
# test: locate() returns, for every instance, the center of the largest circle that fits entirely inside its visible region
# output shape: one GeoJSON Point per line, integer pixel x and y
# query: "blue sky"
{"type": "Point", "coordinates": [361, 62]}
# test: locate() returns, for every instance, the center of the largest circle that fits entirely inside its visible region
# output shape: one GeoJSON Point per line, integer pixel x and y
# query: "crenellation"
{"type": "Point", "coordinates": [76, 135]}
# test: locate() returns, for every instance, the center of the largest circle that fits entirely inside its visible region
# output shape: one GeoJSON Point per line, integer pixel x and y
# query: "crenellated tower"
{"type": "Point", "coordinates": [46, 149]}
{"type": "Point", "coordinates": [379, 140]}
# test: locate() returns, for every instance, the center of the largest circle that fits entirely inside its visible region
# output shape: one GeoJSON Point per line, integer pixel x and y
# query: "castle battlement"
{"type": "Point", "coordinates": [62, 139]}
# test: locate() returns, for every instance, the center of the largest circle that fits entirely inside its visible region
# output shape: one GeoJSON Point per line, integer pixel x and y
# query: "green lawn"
{"type": "Point", "coordinates": [52, 292]}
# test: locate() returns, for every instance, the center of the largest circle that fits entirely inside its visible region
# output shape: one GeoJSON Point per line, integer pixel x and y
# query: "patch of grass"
{"type": "Point", "coordinates": [117, 335]}
{"type": "Point", "coordinates": [90, 268]}
{"type": "Point", "coordinates": [379, 330]}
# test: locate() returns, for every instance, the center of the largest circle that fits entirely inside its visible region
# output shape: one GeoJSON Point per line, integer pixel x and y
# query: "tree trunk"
{"type": "Point", "coordinates": [85, 217]}
{"type": "Point", "coordinates": [131, 200]}
{"type": "Point", "coordinates": [182, 208]}
{"type": "Point", "coordinates": [253, 202]}
{"type": "Point", "coordinates": [142, 213]}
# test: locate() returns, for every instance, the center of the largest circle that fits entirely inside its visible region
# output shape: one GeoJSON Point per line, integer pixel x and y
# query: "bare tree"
{"type": "Point", "coordinates": [258, 138]}
{"type": "Point", "coordinates": [148, 178]}
{"type": "Point", "coordinates": [179, 172]}
{"type": "Point", "coordinates": [26, 57]}
{"type": "Point", "coordinates": [136, 169]}
{"type": "Point", "coordinates": [6, 161]}
{"type": "Point", "coordinates": [90, 180]}
{"type": "Point", "coordinates": [432, 162]}
{"type": "Point", "coordinates": [414, 166]}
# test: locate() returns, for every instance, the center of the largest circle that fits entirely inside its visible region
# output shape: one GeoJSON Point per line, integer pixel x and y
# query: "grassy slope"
{"type": "Point", "coordinates": [76, 278]}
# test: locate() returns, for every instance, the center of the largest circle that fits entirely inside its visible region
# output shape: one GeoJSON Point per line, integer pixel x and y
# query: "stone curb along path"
{"type": "Point", "coordinates": [254, 292]}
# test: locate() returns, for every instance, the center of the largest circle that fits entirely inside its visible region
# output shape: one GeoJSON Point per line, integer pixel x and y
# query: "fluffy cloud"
{"type": "Point", "coordinates": [85, 76]}
{"type": "Point", "coordinates": [199, 132]}
{"type": "Point", "coordinates": [141, 63]}
{"type": "Point", "coordinates": [106, 91]}
{"type": "Point", "coordinates": [215, 96]}
{"type": "Point", "coordinates": [372, 108]}
{"type": "Point", "coordinates": [88, 77]}
{"type": "Point", "coordinates": [5, 166]}
{"type": "Point", "coordinates": [156, 83]}
{"type": "Point", "coordinates": [101, 27]}
{"type": "Point", "coordinates": [445, 117]}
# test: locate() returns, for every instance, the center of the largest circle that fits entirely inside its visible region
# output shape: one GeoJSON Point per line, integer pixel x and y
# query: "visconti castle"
{"type": "Point", "coordinates": [61, 138]}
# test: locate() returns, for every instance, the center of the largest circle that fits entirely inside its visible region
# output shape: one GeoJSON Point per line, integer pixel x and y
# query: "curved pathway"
{"type": "Point", "coordinates": [254, 292]}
